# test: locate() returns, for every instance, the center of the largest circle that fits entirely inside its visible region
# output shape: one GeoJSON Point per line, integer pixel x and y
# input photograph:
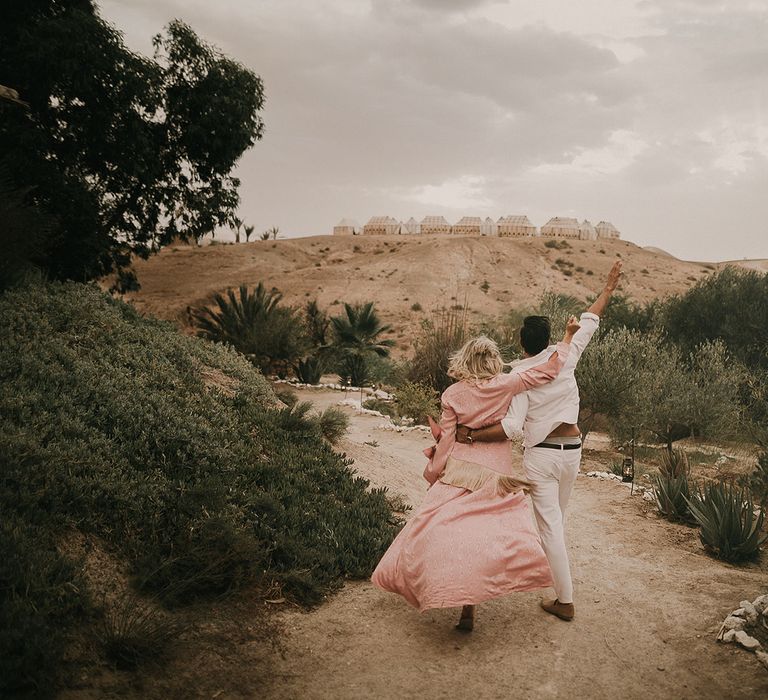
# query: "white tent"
{"type": "Point", "coordinates": [381, 226]}
{"type": "Point", "coordinates": [587, 231]}
{"type": "Point", "coordinates": [515, 225]}
{"type": "Point", "coordinates": [468, 226]}
{"type": "Point", "coordinates": [561, 227]}
{"type": "Point", "coordinates": [605, 229]}
{"type": "Point", "coordinates": [489, 227]}
{"type": "Point", "coordinates": [435, 224]}
{"type": "Point", "coordinates": [346, 227]}
{"type": "Point", "coordinates": [410, 227]}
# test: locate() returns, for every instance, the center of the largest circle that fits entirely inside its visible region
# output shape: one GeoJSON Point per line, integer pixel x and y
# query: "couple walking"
{"type": "Point", "coordinates": [472, 538]}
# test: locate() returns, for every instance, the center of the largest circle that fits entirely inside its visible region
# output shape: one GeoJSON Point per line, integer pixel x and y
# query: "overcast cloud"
{"type": "Point", "coordinates": [649, 114]}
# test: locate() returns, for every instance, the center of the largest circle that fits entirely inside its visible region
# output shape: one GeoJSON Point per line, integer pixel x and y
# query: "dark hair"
{"type": "Point", "coordinates": [534, 335]}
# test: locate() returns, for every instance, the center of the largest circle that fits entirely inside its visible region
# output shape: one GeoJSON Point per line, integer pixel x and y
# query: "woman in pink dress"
{"type": "Point", "coordinates": [472, 538]}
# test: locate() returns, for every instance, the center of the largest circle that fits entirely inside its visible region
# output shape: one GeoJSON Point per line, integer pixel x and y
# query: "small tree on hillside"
{"type": "Point", "coordinates": [274, 232]}
{"type": "Point", "coordinates": [440, 336]}
{"type": "Point", "coordinates": [252, 322]}
{"type": "Point", "coordinates": [237, 224]}
{"type": "Point", "coordinates": [248, 231]}
{"type": "Point", "coordinates": [357, 336]}
{"type": "Point", "coordinates": [640, 382]}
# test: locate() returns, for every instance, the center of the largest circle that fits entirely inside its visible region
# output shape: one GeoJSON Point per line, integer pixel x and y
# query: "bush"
{"type": "Point", "coordinates": [675, 463]}
{"type": "Point", "coordinates": [417, 401]}
{"type": "Point", "coordinates": [134, 632]}
{"type": "Point", "coordinates": [730, 530]}
{"type": "Point", "coordinates": [386, 407]}
{"type": "Point", "coordinates": [757, 481]}
{"type": "Point", "coordinates": [672, 493]}
{"type": "Point", "coordinates": [309, 370]}
{"type": "Point", "coordinates": [333, 423]}
{"type": "Point", "coordinates": [416, 307]}
{"type": "Point", "coordinates": [168, 449]}
{"type": "Point", "coordinates": [439, 338]}
{"type": "Point", "coordinates": [270, 336]}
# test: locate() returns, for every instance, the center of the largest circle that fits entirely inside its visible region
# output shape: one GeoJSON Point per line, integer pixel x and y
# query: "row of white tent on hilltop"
{"type": "Point", "coordinates": [512, 226]}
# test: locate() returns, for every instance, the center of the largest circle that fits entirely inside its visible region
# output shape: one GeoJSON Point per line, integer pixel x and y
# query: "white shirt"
{"type": "Point", "coordinates": [534, 414]}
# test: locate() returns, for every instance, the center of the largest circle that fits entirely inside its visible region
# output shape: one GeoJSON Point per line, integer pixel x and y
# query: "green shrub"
{"type": "Point", "coordinates": [674, 463]}
{"type": "Point", "coordinates": [134, 632]}
{"type": "Point", "coordinates": [416, 307]}
{"type": "Point", "coordinates": [730, 530]}
{"type": "Point", "coordinates": [388, 408]}
{"type": "Point", "coordinates": [757, 481]}
{"type": "Point", "coordinates": [417, 401]}
{"type": "Point", "coordinates": [333, 423]}
{"type": "Point", "coordinates": [168, 449]}
{"type": "Point", "coordinates": [672, 494]}
{"type": "Point", "coordinates": [439, 338]}
{"type": "Point", "coordinates": [309, 370]}
{"type": "Point", "coordinates": [270, 336]}
{"type": "Point", "coordinates": [287, 395]}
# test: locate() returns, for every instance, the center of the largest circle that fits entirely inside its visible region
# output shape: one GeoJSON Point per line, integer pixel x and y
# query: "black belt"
{"type": "Point", "coordinates": [552, 446]}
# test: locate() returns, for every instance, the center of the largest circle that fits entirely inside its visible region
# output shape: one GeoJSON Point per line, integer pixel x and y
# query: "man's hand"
{"type": "Point", "coordinates": [570, 329]}
{"type": "Point", "coordinates": [464, 434]}
{"type": "Point", "coordinates": [613, 277]}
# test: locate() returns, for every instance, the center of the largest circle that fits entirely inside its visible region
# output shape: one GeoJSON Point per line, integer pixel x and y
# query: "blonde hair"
{"type": "Point", "coordinates": [478, 359]}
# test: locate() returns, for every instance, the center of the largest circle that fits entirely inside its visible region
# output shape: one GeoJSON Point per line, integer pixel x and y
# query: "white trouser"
{"type": "Point", "coordinates": [552, 473]}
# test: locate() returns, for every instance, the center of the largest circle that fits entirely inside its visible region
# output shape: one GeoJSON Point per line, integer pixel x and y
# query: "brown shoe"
{"type": "Point", "coordinates": [467, 619]}
{"type": "Point", "coordinates": [564, 611]}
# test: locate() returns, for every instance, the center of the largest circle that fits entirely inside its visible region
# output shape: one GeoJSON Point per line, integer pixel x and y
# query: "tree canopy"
{"type": "Point", "coordinates": [122, 152]}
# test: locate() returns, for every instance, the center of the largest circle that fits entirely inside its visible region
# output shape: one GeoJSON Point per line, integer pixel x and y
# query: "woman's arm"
{"type": "Point", "coordinates": [436, 465]}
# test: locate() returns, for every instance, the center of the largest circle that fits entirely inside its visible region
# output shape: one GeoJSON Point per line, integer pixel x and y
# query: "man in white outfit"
{"type": "Point", "coordinates": [547, 418]}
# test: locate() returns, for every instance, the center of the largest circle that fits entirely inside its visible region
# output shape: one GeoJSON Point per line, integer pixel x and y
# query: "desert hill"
{"type": "Point", "coordinates": [398, 272]}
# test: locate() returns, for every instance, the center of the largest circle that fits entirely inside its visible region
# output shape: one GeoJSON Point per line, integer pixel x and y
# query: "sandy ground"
{"type": "Point", "coordinates": [649, 602]}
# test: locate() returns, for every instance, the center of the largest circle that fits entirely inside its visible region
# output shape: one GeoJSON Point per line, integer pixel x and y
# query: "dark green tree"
{"type": "Point", "coordinates": [357, 336]}
{"type": "Point", "coordinates": [731, 306]}
{"type": "Point", "coordinates": [269, 335]}
{"type": "Point", "coordinates": [123, 152]}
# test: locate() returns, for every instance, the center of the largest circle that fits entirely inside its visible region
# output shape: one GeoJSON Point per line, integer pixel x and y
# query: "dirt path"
{"type": "Point", "coordinates": [649, 603]}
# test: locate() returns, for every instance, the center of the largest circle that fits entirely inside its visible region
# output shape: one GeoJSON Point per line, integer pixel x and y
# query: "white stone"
{"type": "Point", "coordinates": [761, 603]}
{"type": "Point", "coordinates": [649, 496]}
{"type": "Point", "coordinates": [728, 636]}
{"type": "Point", "coordinates": [750, 613]}
{"type": "Point", "coordinates": [733, 623]}
{"type": "Point", "coordinates": [749, 643]}
{"type": "Point", "coordinates": [739, 613]}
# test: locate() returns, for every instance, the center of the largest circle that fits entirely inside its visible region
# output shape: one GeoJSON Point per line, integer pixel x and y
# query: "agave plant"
{"type": "Point", "coordinates": [674, 463]}
{"type": "Point", "coordinates": [672, 493]}
{"type": "Point", "coordinates": [309, 370]}
{"type": "Point", "coordinates": [730, 529]}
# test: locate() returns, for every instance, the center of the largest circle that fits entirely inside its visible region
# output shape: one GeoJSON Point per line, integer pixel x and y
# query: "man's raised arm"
{"type": "Point", "coordinates": [599, 305]}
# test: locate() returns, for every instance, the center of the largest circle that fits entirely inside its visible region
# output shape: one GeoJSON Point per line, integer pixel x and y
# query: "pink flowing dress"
{"type": "Point", "coordinates": [464, 546]}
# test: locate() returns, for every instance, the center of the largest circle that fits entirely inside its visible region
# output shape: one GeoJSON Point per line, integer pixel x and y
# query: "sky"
{"type": "Point", "coordinates": [650, 114]}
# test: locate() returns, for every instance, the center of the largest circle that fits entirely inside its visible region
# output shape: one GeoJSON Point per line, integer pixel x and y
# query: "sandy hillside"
{"type": "Point", "coordinates": [649, 604]}
{"type": "Point", "coordinates": [398, 271]}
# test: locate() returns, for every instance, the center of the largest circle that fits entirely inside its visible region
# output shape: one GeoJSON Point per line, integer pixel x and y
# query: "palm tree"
{"type": "Point", "coordinates": [274, 231]}
{"type": "Point", "coordinates": [237, 224]}
{"type": "Point", "coordinates": [265, 236]}
{"type": "Point", "coordinates": [235, 318]}
{"type": "Point", "coordinates": [248, 231]}
{"type": "Point", "coordinates": [359, 329]}
{"type": "Point", "coordinates": [357, 337]}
